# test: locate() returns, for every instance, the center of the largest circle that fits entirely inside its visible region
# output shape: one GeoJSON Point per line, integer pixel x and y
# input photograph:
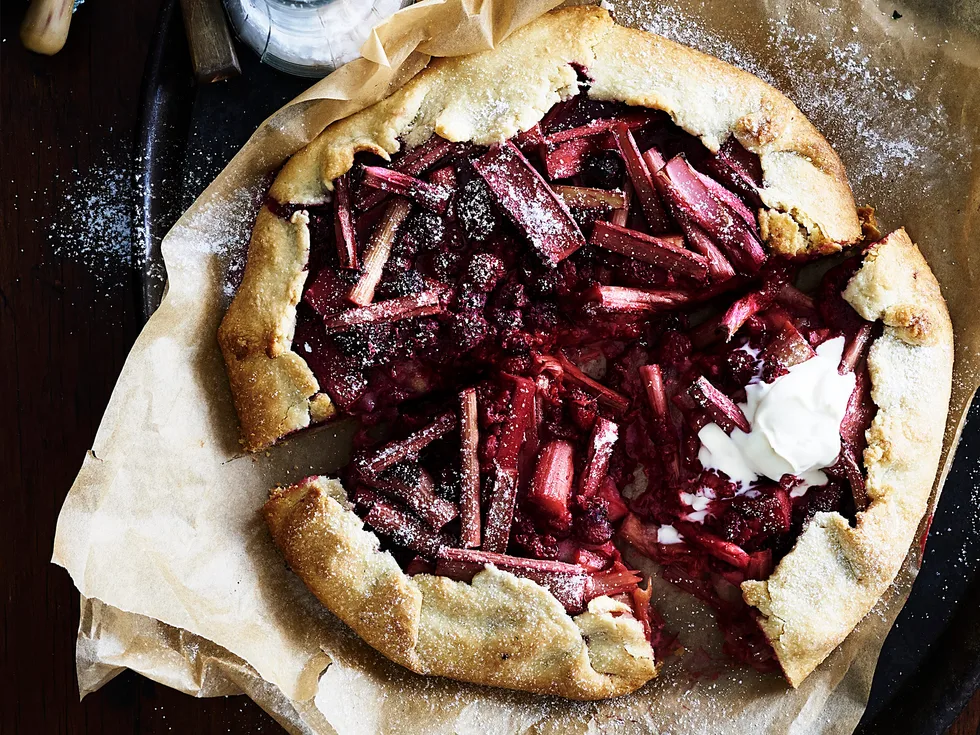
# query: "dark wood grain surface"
{"type": "Point", "coordinates": [67, 321]}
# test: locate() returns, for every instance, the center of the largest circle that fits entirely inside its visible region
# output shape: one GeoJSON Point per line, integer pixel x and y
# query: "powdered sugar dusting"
{"type": "Point", "coordinates": [891, 136]}
{"type": "Point", "coordinates": [221, 230]}
{"type": "Point", "coordinates": [93, 223]}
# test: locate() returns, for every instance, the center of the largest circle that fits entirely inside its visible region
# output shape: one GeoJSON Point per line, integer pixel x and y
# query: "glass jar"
{"type": "Point", "coordinates": [307, 37]}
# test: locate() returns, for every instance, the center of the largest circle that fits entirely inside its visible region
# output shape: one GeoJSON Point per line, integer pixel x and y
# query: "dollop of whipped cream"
{"type": "Point", "coordinates": [668, 535]}
{"type": "Point", "coordinates": [795, 423]}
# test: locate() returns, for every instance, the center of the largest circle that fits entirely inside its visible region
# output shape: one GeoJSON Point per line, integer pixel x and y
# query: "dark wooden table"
{"type": "Point", "coordinates": [66, 324]}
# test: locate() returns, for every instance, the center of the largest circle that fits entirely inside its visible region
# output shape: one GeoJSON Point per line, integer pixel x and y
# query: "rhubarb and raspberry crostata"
{"type": "Point", "coordinates": [567, 289]}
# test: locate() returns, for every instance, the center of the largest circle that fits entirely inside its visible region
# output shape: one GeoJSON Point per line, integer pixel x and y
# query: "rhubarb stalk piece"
{"type": "Point", "coordinates": [730, 199]}
{"type": "Point", "coordinates": [469, 504]}
{"type": "Point", "coordinates": [856, 349]}
{"type": "Point", "coordinates": [551, 488]}
{"type": "Point", "coordinates": [642, 181]}
{"type": "Point", "coordinates": [742, 160]}
{"type": "Point", "coordinates": [636, 301]}
{"type": "Point", "coordinates": [527, 456]}
{"type": "Point", "coordinates": [378, 251]}
{"type": "Point", "coordinates": [414, 485]}
{"type": "Point", "coordinates": [724, 411]}
{"type": "Point", "coordinates": [444, 177]}
{"type": "Point", "coordinates": [528, 200]}
{"type": "Point", "coordinates": [739, 312]}
{"type": "Point", "coordinates": [726, 551]}
{"type": "Point", "coordinates": [421, 158]}
{"type": "Point", "coordinates": [404, 530]}
{"type": "Point", "coordinates": [855, 477]}
{"type": "Point", "coordinates": [500, 512]}
{"type": "Point", "coordinates": [416, 162]}
{"type": "Point", "coordinates": [718, 265]}
{"type": "Point", "coordinates": [654, 161]}
{"type": "Point", "coordinates": [529, 140]}
{"type": "Point", "coordinates": [601, 440]}
{"type": "Point", "coordinates": [567, 582]}
{"type": "Point", "coordinates": [788, 347]}
{"type": "Point", "coordinates": [857, 418]}
{"type": "Point", "coordinates": [615, 581]}
{"type": "Point", "coordinates": [327, 294]}
{"type": "Point", "coordinates": [621, 216]}
{"type": "Point", "coordinates": [688, 194]}
{"type": "Point", "coordinates": [343, 222]}
{"type": "Point", "coordinates": [426, 303]}
{"type": "Point", "coordinates": [568, 159]}
{"type": "Point", "coordinates": [760, 565]}
{"type": "Point", "coordinates": [653, 381]}
{"type": "Point", "coordinates": [667, 251]}
{"type": "Point", "coordinates": [585, 197]}
{"type": "Point", "coordinates": [644, 537]}
{"type": "Point", "coordinates": [558, 114]}
{"type": "Point", "coordinates": [431, 196]}
{"type": "Point", "coordinates": [603, 125]}
{"type": "Point", "coordinates": [795, 300]}
{"type": "Point", "coordinates": [606, 397]}
{"type": "Point", "coordinates": [739, 170]}
{"type": "Point", "coordinates": [374, 463]}
{"type": "Point", "coordinates": [724, 326]}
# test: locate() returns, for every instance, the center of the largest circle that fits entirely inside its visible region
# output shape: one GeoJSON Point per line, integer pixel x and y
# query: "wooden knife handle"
{"type": "Point", "coordinates": [45, 25]}
{"type": "Point", "coordinates": [212, 51]}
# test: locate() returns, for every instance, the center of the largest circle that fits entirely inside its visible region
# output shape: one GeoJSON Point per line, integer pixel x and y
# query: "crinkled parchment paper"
{"type": "Point", "coordinates": [161, 531]}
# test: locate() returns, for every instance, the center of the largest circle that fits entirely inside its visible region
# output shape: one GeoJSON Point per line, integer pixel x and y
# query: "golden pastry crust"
{"type": "Point", "coordinates": [498, 630]}
{"type": "Point", "coordinates": [835, 574]}
{"type": "Point", "coordinates": [274, 389]}
{"type": "Point", "coordinates": [490, 96]}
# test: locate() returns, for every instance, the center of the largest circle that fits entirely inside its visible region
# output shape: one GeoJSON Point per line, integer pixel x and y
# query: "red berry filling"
{"type": "Point", "coordinates": [514, 326]}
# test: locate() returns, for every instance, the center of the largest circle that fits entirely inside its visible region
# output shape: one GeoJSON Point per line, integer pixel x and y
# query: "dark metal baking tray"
{"type": "Point", "coordinates": [930, 664]}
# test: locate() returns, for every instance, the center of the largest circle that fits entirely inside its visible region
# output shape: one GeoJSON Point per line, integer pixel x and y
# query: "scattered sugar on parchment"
{"type": "Point", "coordinates": [220, 229]}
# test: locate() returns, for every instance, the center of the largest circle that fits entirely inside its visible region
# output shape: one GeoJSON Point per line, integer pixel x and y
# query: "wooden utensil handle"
{"type": "Point", "coordinates": [45, 25]}
{"type": "Point", "coordinates": [212, 50]}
